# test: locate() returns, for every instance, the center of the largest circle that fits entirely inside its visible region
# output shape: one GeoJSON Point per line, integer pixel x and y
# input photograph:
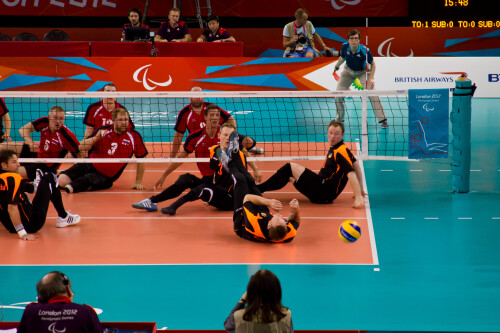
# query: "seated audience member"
{"type": "Point", "coordinates": [264, 311]}
{"type": "Point", "coordinates": [299, 36]}
{"type": "Point", "coordinates": [134, 16]}
{"type": "Point", "coordinates": [113, 141]}
{"type": "Point", "coordinates": [55, 310]}
{"type": "Point", "coordinates": [214, 33]}
{"type": "Point", "coordinates": [174, 30]}
{"type": "Point", "coordinates": [5, 123]}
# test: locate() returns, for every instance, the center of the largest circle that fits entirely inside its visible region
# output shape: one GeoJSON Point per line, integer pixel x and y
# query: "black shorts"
{"type": "Point", "coordinates": [32, 167]}
{"type": "Point", "coordinates": [85, 177]}
{"type": "Point", "coordinates": [315, 188]}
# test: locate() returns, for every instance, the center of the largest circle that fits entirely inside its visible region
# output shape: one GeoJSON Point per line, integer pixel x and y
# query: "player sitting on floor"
{"type": "Point", "coordinates": [340, 165]}
{"type": "Point", "coordinates": [112, 141]}
{"type": "Point", "coordinates": [56, 140]}
{"type": "Point", "coordinates": [200, 142]}
{"type": "Point", "coordinates": [191, 118]}
{"type": "Point", "coordinates": [17, 212]}
{"type": "Point", "coordinates": [252, 218]}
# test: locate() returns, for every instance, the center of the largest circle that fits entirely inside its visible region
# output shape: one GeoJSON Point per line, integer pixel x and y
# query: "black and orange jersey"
{"type": "Point", "coordinates": [221, 177]}
{"type": "Point", "coordinates": [12, 187]}
{"type": "Point", "coordinates": [255, 221]}
{"type": "Point", "coordinates": [338, 163]}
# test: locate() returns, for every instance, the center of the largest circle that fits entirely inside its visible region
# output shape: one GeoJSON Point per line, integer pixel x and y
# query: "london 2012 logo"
{"type": "Point", "coordinates": [147, 82]}
{"type": "Point", "coordinates": [336, 6]}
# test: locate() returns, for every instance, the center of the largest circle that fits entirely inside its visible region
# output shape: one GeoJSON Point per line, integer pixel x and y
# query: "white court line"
{"type": "Point", "coordinates": [465, 218]}
{"type": "Point", "coordinates": [495, 218]}
{"type": "Point", "coordinates": [398, 218]}
{"type": "Point", "coordinates": [415, 170]}
{"type": "Point", "coordinates": [444, 170]}
{"type": "Point", "coordinates": [431, 218]}
{"type": "Point", "coordinates": [388, 170]}
{"type": "Point", "coordinates": [476, 170]}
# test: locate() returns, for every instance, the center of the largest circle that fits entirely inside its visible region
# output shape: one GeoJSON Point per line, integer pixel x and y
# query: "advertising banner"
{"type": "Point", "coordinates": [256, 8]}
{"type": "Point", "coordinates": [428, 123]}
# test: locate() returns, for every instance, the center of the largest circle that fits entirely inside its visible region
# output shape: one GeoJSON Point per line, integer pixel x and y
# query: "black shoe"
{"type": "Point", "coordinates": [168, 211]}
{"type": "Point", "coordinates": [234, 144]}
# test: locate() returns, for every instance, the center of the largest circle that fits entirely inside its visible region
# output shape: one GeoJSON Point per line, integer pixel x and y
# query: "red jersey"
{"type": "Point", "coordinates": [189, 120]}
{"type": "Point", "coordinates": [57, 144]}
{"type": "Point", "coordinates": [200, 143]}
{"type": "Point", "coordinates": [97, 115]}
{"type": "Point", "coordinates": [114, 145]}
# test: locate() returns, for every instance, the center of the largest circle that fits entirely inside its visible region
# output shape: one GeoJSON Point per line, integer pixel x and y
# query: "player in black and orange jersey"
{"type": "Point", "coordinates": [18, 213]}
{"type": "Point", "coordinates": [113, 141]}
{"type": "Point", "coordinates": [5, 122]}
{"type": "Point", "coordinates": [200, 143]}
{"type": "Point", "coordinates": [219, 192]}
{"type": "Point", "coordinates": [252, 218]}
{"type": "Point", "coordinates": [340, 166]}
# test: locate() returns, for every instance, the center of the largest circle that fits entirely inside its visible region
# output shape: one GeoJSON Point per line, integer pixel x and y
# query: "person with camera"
{"type": "Point", "coordinates": [55, 310]}
{"type": "Point", "coordinates": [299, 36]}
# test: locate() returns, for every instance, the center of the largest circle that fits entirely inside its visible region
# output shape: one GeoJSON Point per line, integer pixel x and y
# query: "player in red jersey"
{"type": "Point", "coordinates": [56, 140]}
{"type": "Point", "coordinates": [192, 118]}
{"type": "Point", "coordinates": [100, 113]}
{"type": "Point", "coordinates": [5, 123]}
{"type": "Point", "coordinates": [112, 141]}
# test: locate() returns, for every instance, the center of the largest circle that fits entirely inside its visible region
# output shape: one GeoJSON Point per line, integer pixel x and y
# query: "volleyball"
{"type": "Point", "coordinates": [349, 231]}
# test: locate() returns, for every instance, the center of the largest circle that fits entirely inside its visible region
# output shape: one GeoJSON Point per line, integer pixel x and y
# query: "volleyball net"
{"type": "Point", "coordinates": [287, 125]}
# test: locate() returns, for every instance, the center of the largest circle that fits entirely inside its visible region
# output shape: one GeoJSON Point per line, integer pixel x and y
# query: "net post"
{"type": "Point", "coordinates": [364, 124]}
{"type": "Point", "coordinates": [461, 130]}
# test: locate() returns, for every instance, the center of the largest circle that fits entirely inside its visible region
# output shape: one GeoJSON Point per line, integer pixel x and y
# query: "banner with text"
{"type": "Point", "coordinates": [428, 123]}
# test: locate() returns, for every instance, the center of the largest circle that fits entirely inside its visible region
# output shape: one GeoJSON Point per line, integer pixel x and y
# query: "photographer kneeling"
{"type": "Point", "coordinates": [299, 36]}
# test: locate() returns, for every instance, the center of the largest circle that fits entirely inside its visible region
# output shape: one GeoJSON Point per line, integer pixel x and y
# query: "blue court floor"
{"type": "Point", "coordinates": [439, 262]}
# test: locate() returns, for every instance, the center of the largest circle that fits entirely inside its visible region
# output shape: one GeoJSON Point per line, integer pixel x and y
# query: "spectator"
{"type": "Point", "coordinates": [264, 312]}
{"type": "Point", "coordinates": [55, 310]}
{"type": "Point", "coordinates": [174, 30]}
{"type": "Point", "coordinates": [299, 36]}
{"type": "Point", "coordinates": [134, 16]}
{"type": "Point", "coordinates": [214, 33]}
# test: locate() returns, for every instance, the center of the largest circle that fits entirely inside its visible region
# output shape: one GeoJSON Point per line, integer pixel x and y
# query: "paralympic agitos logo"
{"type": "Point", "coordinates": [345, 2]}
{"type": "Point", "coordinates": [147, 81]}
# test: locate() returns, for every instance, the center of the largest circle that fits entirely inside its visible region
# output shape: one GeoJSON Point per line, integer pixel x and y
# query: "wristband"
{"type": "Point", "coordinates": [22, 233]}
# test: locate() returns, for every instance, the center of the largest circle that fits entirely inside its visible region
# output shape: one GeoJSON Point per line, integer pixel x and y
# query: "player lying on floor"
{"type": "Point", "coordinates": [252, 218]}
{"type": "Point", "coordinates": [340, 166]}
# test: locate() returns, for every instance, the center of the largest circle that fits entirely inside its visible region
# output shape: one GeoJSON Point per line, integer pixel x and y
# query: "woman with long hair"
{"type": "Point", "coordinates": [264, 311]}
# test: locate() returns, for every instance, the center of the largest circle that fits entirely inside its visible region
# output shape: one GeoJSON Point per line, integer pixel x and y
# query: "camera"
{"type": "Point", "coordinates": [302, 39]}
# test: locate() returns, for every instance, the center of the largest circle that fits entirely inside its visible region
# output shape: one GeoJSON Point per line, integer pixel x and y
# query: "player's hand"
{"type": "Point", "coordinates": [138, 187]}
{"type": "Point", "coordinates": [358, 202]}
{"type": "Point", "coordinates": [294, 206]}
{"type": "Point", "coordinates": [257, 176]}
{"type": "Point", "coordinates": [218, 41]}
{"type": "Point", "coordinates": [28, 237]}
{"type": "Point", "coordinates": [275, 204]}
{"type": "Point", "coordinates": [294, 39]}
{"type": "Point", "coordinates": [6, 138]}
{"type": "Point", "coordinates": [159, 182]}
{"type": "Point", "coordinates": [199, 40]}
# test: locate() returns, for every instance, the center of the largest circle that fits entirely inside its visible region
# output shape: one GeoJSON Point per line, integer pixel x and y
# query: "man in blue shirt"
{"type": "Point", "coordinates": [357, 56]}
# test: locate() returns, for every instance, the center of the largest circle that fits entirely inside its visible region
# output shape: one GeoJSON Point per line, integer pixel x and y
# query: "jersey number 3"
{"type": "Point", "coordinates": [114, 146]}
